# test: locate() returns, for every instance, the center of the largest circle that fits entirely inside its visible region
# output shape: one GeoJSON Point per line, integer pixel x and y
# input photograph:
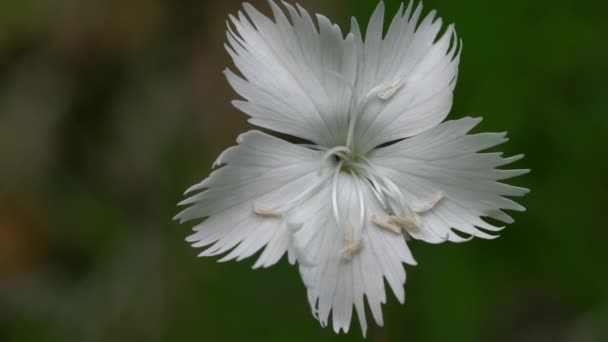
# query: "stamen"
{"type": "Point", "coordinates": [350, 250]}
{"type": "Point", "coordinates": [429, 204]}
{"type": "Point", "coordinates": [334, 194]}
{"type": "Point", "coordinates": [352, 124]}
{"type": "Point", "coordinates": [386, 225]}
{"type": "Point", "coordinates": [353, 107]}
{"type": "Point", "coordinates": [351, 246]}
{"type": "Point", "coordinates": [277, 212]}
{"type": "Point", "coordinates": [394, 193]}
{"type": "Point", "coordinates": [387, 90]}
{"type": "Point", "coordinates": [360, 198]}
{"type": "Point", "coordinates": [411, 223]}
{"type": "Point", "coordinates": [386, 188]}
{"type": "Point", "coordinates": [376, 188]}
{"type": "Point", "coordinates": [341, 78]}
{"type": "Point", "coordinates": [266, 212]}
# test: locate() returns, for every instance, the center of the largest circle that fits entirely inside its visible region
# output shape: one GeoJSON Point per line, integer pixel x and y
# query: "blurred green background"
{"type": "Point", "coordinates": [109, 109]}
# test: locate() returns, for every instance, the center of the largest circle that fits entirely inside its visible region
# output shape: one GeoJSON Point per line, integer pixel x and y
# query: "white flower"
{"type": "Point", "coordinates": [380, 166]}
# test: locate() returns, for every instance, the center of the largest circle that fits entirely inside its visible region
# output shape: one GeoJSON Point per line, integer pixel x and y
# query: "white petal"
{"type": "Point", "coordinates": [445, 160]}
{"type": "Point", "coordinates": [407, 77]}
{"type": "Point", "coordinates": [297, 79]}
{"type": "Point", "coordinates": [335, 284]}
{"type": "Point", "coordinates": [261, 171]}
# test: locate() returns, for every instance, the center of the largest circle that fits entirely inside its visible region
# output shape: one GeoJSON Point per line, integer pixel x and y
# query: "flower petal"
{"type": "Point", "coordinates": [334, 284]}
{"type": "Point", "coordinates": [445, 160]}
{"type": "Point", "coordinates": [405, 79]}
{"type": "Point", "coordinates": [297, 79]}
{"type": "Point", "coordinates": [240, 199]}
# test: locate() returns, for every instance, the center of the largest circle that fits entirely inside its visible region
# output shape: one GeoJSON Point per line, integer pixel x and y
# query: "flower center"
{"type": "Point", "coordinates": [341, 155]}
{"type": "Point", "coordinates": [398, 216]}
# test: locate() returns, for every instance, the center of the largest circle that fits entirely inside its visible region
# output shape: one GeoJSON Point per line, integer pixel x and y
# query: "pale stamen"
{"type": "Point", "coordinates": [334, 194]}
{"type": "Point", "coordinates": [403, 218]}
{"type": "Point", "coordinates": [295, 201]}
{"type": "Point", "coordinates": [386, 225]}
{"type": "Point", "coordinates": [376, 188]}
{"type": "Point", "coordinates": [426, 206]}
{"type": "Point", "coordinates": [390, 190]}
{"type": "Point", "coordinates": [411, 223]}
{"type": "Point", "coordinates": [351, 246]}
{"type": "Point", "coordinates": [352, 107]}
{"type": "Point", "coordinates": [395, 194]}
{"type": "Point", "coordinates": [352, 124]}
{"type": "Point", "coordinates": [304, 195]}
{"type": "Point", "coordinates": [360, 198]}
{"type": "Point", "coordinates": [350, 250]}
{"type": "Point", "coordinates": [266, 212]}
{"type": "Point", "coordinates": [387, 90]}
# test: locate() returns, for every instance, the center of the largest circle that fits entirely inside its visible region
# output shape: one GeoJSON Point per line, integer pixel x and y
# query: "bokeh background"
{"type": "Point", "coordinates": [109, 109]}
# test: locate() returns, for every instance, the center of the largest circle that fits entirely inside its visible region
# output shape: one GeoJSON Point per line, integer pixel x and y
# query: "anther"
{"type": "Point", "coordinates": [351, 246]}
{"type": "Point", "coordinates": [387, 90]}
{"type": "Point", "coordinates": [386, 225]}
{"type": "Point", "coordinates": [266, 212]}
{"type": "Point", "coordinates": [350, 250]}
{"type": "Point", "coordinates": [411, 223]}
{"type": "Point", "coordinates": [426, 206]}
